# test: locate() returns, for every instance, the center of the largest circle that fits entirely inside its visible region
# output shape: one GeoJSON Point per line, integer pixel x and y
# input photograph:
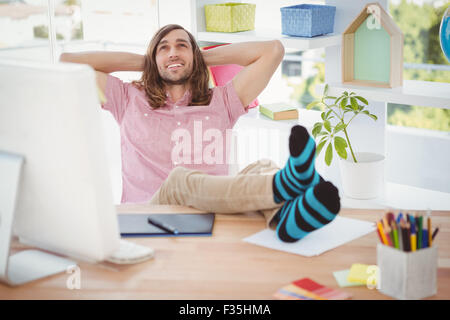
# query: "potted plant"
{"type": "Point", "coordinates": [362, 173]}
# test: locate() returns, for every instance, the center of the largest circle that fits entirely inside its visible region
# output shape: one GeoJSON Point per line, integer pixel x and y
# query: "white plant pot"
{"type": "Point", "coordinates": [364, 179]}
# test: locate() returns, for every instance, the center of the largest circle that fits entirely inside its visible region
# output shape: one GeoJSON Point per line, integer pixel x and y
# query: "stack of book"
{"type": "Point", "coordinates": [279, 111]}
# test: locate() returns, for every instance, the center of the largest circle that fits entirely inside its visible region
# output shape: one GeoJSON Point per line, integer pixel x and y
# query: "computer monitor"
{"type": "Point", "coordinates": [50, 115]}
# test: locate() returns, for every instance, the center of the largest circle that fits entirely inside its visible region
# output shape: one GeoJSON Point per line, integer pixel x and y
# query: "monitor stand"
{"type": "Point", "coordinates": [26, 265]}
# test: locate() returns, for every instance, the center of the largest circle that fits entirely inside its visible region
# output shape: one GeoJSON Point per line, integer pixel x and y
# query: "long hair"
{"type": "Point", "coordinates": [152, 83]}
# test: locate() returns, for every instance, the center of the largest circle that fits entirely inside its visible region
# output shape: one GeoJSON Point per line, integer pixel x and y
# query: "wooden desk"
{"type": "Point", "coordinates": [223, 266]}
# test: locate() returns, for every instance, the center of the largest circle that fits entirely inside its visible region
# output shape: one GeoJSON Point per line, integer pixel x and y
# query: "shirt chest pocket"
{"type": "Point", "coordinates": [144, 128]}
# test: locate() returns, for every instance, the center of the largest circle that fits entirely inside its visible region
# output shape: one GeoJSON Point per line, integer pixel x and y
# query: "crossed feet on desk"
{"type": "Point", "coordinates": [310, 202]}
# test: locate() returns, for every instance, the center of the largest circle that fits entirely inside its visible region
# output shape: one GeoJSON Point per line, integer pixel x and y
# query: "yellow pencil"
{"type": "Point", "coordinates": [413, 242]}
{"type": "Point", "coordinates": [383, 235]}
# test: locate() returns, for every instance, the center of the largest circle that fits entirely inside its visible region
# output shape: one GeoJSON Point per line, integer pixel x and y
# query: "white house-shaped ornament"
{"type": "Point", "coordinates": [372, 50]}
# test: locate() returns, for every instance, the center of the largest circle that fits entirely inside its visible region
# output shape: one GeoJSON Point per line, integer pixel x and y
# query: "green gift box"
{"type": "Point", "coordinates": [230, 17]}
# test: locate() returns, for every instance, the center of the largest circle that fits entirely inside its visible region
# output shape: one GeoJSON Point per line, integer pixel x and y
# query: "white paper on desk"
{"type": "Point", "coordinates": [341, 230]}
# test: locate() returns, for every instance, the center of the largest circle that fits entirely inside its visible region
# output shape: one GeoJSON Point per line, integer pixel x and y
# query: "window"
{"type": "Point", "coordinates": [26, 26]}
{"type": "Point", "coordinates": [77, 25]}
{"type": "Point", "coordinates": [424, 60]}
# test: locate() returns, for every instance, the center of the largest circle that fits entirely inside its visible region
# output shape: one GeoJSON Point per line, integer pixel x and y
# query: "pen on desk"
{"type": "Point", "coordinates": [162, 226]}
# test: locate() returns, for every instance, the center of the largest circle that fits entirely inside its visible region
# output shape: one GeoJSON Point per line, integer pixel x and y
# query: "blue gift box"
{"type": "Point", "coordinates": [307, 20]}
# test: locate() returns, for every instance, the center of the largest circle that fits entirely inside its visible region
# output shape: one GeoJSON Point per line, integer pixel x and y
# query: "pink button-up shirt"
{"type": "Point", "coordinates": [154, 141]}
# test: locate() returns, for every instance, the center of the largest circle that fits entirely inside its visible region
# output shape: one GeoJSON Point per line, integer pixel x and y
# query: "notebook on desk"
{"type": "Point", "coordinates": [137, 225]}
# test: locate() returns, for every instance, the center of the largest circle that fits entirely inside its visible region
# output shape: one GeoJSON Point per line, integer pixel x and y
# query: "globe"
{"type": "Point", "coordinates": [444, 34]}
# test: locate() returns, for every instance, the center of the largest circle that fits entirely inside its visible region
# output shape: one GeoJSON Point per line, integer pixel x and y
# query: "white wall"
{"type": "Point", "coordinates": [418, 157]}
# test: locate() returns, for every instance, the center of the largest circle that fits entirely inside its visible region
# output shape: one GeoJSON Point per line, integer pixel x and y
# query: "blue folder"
{"type": "Point", "coordinates": [136, 225]}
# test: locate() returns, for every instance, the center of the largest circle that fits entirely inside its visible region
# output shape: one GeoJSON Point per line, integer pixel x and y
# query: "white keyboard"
{"type": "Point", "coordinates": [130, 253]}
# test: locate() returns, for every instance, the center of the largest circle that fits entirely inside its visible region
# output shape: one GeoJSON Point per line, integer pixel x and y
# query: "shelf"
{"type": "Point", "coordinates": [255, 119]}
{"type": "Point", "coordinates": [413, 92]}
{"type": "Point", "coordinates": [402, 197]}
{"type": "Point", "coordinates": [300, 43]}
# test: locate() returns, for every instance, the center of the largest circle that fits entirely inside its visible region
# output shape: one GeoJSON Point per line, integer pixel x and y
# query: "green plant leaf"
{"type": "Point", "coordinates": [322, 115]}
{"type": "Point", "coordinates": [327, 125]}
{"type": "Point", "coordinates": [325, 90]}
{"type": "Point", "coordinates": [374, 117]}
{"type": "Point", "coordinates": [328, 114]}
{"type": "Point", "coordinates": [312, 104]}
{"type": "Point", "coordinates": [343, 103]}
{"type": "Point", "coordinates": [329, 154]}
{"type": "Point", "coordinates": [340, 142]}
{"type": "Point", "coordinates": [340, 126]}
{"type": "Point", "coordinates": [324, 139]}
{"type": "Point", "coordinates": [317, 128]}
{"type": "Point", "coordinates": [366, 112]}
{"type": "Point", "coordinates": [354, 103]}
{"type": "Point", "coordinates": [320, 147]}
{"type": "Point", "coordinates": [340, 148]}
{"type": "Point", "coordinates": [330, 97]}
{"type": "Point", "coordinates": [361, 99]}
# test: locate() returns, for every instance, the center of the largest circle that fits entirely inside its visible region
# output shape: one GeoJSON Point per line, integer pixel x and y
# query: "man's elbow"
{"type": "Point", "coordinates": [64, 57]}
{"type": "Point", "coordinates": [278, 50]}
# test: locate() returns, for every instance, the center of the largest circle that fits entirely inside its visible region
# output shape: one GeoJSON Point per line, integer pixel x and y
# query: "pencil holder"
{"type": "Point", "coordinates": [407, 275]}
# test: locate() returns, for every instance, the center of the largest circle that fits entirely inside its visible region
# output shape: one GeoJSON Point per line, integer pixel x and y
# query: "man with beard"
{"type": "Point", "coordinates": [173, 97]}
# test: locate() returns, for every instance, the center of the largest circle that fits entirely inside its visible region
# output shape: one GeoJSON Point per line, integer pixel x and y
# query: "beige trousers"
{"type": "Point", "coordinates": [250, 190]}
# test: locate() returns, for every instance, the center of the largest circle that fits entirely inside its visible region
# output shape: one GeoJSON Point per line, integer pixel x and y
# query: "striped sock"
{"type": "Point", "coordinates": [308, 212]}
{"type": "Point", "coordinates": [299, 173]}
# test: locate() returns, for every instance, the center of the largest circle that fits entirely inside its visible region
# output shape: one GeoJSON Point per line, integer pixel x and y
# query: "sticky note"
{"type": "Point", "coordinates": [341, 279]}
{"type": "Point", "coordinates": [299, 291]}
{"type": "Point", "coordinates": [358, 273]}
{"type": "Point", "coordinates": [320, 290]}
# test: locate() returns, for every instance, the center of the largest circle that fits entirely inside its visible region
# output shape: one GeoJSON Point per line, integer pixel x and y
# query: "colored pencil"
{"type": "Point", "coordinates": [379, 235]}
{"type": "Point", "coordinates": [390, 218]}
{"type": "Point", "coordinates": [400, 237]}
{"type": "Point", "coordinates": [399, 217]}
{"type": "Point", "coordinates": [413, 242]}
{"type": "Point", "coordinates": [394, 233]}
{"type": "Point", "coordinates": [430, 240]}
{"type": "Point", "coordinates": [425, 238]}
{"type": "Point", "coordinates": [383, 236]}
{"type": "Point", "coordinates": [419, 232]}
{"type": "Point", "coordinates": [388, 236]}
{"type": "Point", "coordinates": [413, 237]}
{"type": "Point", "coordinates": [385, 223]}
{"type": "Point", "coordinates": [404, 236]}
{"type": "Point", "coordinates": [408, 236]}
{"type": "Point", "coordinates": [435, 233]}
